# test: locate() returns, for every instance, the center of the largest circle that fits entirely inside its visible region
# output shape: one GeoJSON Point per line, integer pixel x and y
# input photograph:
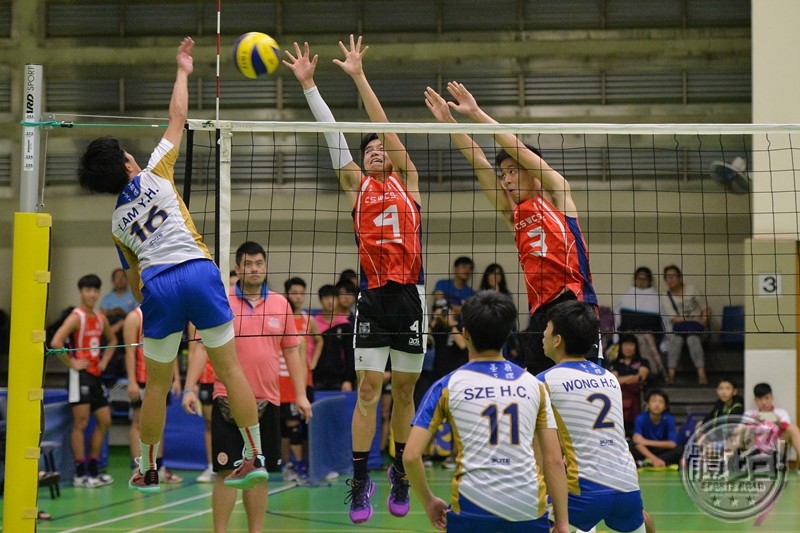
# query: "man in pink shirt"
{"type": "Point", "coordinates": [265, 330]}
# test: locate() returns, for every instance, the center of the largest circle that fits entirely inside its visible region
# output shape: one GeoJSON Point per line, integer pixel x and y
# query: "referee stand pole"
{"type": "Point", "coordinates": [30, 277]}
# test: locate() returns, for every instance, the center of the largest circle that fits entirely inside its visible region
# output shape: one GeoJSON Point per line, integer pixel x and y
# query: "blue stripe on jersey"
{"type": "Point", "coordinates": [421, 278]}
{"type": "Point", "coordinates": [584, 366]}
{"type": "Point", "coordinates": [122, 260]}
{"type": "Point", "coordinates": [130, 193]}
{"type": "Point", "coordinates": [430, 401]}
{"type": "Point", "coordinates": [589, 295]}
{"type": "Point", "coordinates": [499, 369]}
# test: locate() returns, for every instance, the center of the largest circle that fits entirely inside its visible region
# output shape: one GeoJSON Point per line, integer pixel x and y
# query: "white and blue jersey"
{"type": "Point", "coordinates": [494, 408]}
{"type": "Point", "coordinates": [151, 225]}
{"type": "Point", "coordinates": [155, 234]}
{"type": "Point", "coordinates": [601, 476]}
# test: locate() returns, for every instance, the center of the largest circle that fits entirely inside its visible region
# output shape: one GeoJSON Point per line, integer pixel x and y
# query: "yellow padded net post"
{"type": "Point", "coordinates": [30, 278]}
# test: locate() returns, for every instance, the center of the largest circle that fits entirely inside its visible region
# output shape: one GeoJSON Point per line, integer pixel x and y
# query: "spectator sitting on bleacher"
{"type": "Point", "coordinates": [85, 330]}
{"type": "Point", "coordinates": [728, 401]}
{"type": "Point", "coordinates": [655, 442]}
{"type": "Point", "coordinates": [686, 309]}
{"type": "Point", "coordinates": [632, 372]}
{"type": "Point", "coordinates": [766, 413]}
{"type": "Point", "coordinates": [639, 309]}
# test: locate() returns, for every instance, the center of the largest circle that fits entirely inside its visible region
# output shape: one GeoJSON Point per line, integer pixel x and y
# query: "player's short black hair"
{"type": "Point", "coordinates": [578, 325]}
{"type": "Point", "coordinates": [657, 392]}
{"type": "Point", "coordinates": [291, 282]}
{"type": "Point", "coordinates": [490, 317]}
{"type": "Point", "coordinates": [365, 140]}
{"type": "Point", "coordinates": [463, 260]}
{"type": "Point", "coordinates": [348, 274]}
{"type": "Point", "coordinates": [761, 390]}
{"type": "Point", "coordinates": [91, 281]}
{"type": "Point", "coordinates": [101, 167]}
{"type": "Point", "coordinates": [727, 379]}
{"type": "Point", "coordinates": [346, 286]}
{"type": "Point", "coordinates": [249, 248]}
{"type": "Point", "coordinates": [326, 290]}
{"type": "Point", "coordinates": [502, 155]}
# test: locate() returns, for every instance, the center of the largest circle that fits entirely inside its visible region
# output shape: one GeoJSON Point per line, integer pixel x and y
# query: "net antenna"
{"type": "Point", "coordinates": [219, 38]}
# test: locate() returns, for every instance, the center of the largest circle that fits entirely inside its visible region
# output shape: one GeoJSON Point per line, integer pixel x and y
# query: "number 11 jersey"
{"type": "Point", "coordinates": [494, 409]}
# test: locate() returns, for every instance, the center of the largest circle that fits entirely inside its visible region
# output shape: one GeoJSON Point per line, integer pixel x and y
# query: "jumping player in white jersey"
{"type": "Point", "coordinates": [587, 402]}
{"type": "Point", "coordinates": [171, 273]}
{"type": "Point", "coordinates": [495, 408]}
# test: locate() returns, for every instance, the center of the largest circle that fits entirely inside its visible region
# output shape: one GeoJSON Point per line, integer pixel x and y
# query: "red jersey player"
{"type": "Point", "coordinates": [85, 330]}
{"type": "Point", "coordinates": [536, 202]}
{"type": "Point", "coordinates": [390, 311]}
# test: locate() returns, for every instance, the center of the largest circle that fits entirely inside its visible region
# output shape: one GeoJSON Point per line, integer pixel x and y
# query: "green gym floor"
{"type": "Point", "coordinates": [187, 507]}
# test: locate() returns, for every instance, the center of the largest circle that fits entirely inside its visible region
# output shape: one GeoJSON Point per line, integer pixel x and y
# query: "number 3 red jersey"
{"type": "Point", "coordinates": [552, 253]}
{"type": "Point", "coordinates": [388, 232]}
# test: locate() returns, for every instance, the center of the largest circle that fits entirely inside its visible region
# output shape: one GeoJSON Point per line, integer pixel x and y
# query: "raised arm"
{"type": "Point", "coordinates": [487, 178]}
{"type": "Point", "coordinates": [554, 185]}
{"type": "Point", "coordinates": [303, 66]}
{"type": "Point", "coordinates": [394, 148]}
{"type": "Point", "coordinates": [179, 103]}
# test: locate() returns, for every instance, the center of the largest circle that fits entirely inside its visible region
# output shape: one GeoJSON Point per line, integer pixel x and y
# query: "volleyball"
{"type": "Point", "coordinates": [256, 54]}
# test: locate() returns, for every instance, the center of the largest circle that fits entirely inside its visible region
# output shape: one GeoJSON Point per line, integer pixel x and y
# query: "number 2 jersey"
{"type": "Point", "coordinates": [587, 404]}
{"type": "Point", "coordinates": [388, 233]}
{"type": "Point", "coordinates": [151, 225]}
{"type": "Point", "coordinates": [494, 408]}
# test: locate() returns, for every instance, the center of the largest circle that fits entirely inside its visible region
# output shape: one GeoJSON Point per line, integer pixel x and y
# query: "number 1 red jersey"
{"type": "Point", "coordinates": [388, 232]}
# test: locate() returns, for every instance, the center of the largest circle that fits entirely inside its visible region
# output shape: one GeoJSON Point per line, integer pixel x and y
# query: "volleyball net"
{"type": "Point", "coordinates": [718, 201]}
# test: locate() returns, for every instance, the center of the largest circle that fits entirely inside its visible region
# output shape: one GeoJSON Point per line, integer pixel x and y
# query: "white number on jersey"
{"type": "Point", "coordinates": [389, 217]}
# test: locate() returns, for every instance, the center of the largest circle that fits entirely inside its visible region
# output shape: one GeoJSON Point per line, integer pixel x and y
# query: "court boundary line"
{"type": "Point", "coordinates": [128, 516]}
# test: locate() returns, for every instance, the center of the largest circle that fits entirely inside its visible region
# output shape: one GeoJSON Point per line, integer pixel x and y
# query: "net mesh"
{"type": "Point", "coordinates": [691, 195]}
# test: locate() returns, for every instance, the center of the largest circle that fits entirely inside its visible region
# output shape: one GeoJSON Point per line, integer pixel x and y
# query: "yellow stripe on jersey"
{"type": "Point", "coordinates": [457, 448]}
{"type": "Point", "coordinates": [187, 220]}
{"type": "Point", "coordinates": [542, 422]}
{"type": "Point", "coordinates": [569, 452]}
{"type": "Point", "coordinates": [130, 257]}
{"type": "Point", "coordinates": [165, 167]}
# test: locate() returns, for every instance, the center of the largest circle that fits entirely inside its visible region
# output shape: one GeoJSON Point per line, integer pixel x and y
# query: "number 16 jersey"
{"type": "Point", "coordinates": [388, 232]}
{"type": "Point", "coordinates": [151, 225]}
